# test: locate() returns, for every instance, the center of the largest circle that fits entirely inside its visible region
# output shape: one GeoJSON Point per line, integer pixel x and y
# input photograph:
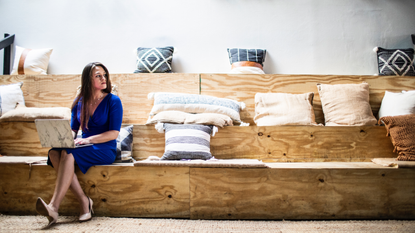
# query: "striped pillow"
{"type": "Point", "coordinates": [193, 103]}
{"type": "Point", "coordinates": [187, 141]}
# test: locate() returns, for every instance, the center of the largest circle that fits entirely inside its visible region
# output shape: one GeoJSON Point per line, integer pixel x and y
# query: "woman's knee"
{"type": "Point", "coordinates": [54, 156]}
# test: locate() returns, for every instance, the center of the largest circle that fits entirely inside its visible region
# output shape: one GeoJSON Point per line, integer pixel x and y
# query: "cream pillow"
{"type": "Point", "coordinates": [395, 104]}
{"type": "Point", "coordinates": [10, 96]}
{"type": "Point", "coordinates": [284, 109]}
{"type": "Point", "coordinates": [22, 113]}
{"type": "Point", "coordinates": [179, 117]}
{"type": "Point", "coordinates": [346, 104]}
{"type": "Point", "coordinates": [31, 61]}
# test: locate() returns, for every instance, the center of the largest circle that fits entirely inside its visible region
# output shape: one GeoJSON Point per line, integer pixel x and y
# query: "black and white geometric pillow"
{"type": "Point", "coordinates": [125, 144]}
{"type": "Point", "coordinates": [154, 60]}
{"type": "Point", "coordinates": [395, 62]}
{"type": "Point", "coordinates": [187, 141]}
{"type": "Point", "coordinates": [255, 55]}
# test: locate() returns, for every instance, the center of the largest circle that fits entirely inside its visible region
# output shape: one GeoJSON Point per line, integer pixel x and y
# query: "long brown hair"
{"type": "Point", "coordinates": [86, 95]}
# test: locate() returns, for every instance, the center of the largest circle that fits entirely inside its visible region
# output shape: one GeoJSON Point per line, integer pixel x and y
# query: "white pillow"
{"type": "Point", "coordinates": [10, 96]}
{"type": "Point", "coordinates": [33, 61]}
{"type": "Point", "coordinates": [246, 70]}
{"type": "Point", "coordinates": [395, 104]}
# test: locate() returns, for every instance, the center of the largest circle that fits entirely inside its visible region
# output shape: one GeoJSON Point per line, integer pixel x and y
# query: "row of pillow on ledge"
{"type": "Point", "coordinates": [188, 119]}
{"type": "Point", "coordinates": [395, 62]}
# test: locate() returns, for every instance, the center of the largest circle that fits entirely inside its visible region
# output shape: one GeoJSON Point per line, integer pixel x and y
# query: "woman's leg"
{"type": "Point", "coordinates": [60, 159]}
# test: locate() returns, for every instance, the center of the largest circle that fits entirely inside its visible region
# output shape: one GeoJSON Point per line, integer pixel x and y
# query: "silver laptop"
{"type": "Point", "coordinates": [56, 133]}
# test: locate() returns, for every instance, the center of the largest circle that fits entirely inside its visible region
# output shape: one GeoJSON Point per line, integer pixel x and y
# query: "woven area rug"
{"type": "Point", "coordinates": [104, 224]}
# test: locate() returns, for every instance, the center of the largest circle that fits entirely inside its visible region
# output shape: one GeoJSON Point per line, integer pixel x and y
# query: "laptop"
{"type": "Point", "coordinates": [56, 133]}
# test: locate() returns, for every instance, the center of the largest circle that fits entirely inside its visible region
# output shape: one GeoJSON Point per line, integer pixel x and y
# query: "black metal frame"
{"type": "Point", "coordinates": [6, 44]}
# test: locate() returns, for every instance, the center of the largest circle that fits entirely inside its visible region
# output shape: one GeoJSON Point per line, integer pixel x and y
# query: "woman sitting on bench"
{"type": "Point", "coordinates": [99, 114]}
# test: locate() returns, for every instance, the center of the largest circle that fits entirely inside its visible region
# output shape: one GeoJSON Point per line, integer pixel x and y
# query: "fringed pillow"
{"type": "Point", "coordinates": [186, 141]}
{"type": "Point", "coordinates": [401, 129]}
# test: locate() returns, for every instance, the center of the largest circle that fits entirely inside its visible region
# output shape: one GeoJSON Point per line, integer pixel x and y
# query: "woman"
{"type": "Point", "coordinates": [99, 114]}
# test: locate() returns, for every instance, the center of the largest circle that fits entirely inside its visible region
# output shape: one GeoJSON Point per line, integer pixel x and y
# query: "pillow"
{"type": "Point", "coordinates": [253, 55]}
{"type": "Point", "coordinates": [154, 60]}
{"type": "Point", "coordinates": [10, 96]}
{"type": "Point", "coordinates": [31, 61]}
{"type": "Point", "coordinates": [401, 129]}
{"type": "Point", "coordinates": [246, 70]}
{"type": "Point", "coordinates": [346, 104]}
{"type": "Point", "coordinates": [284, 109]}
{"type": "Point", "coordinates": [396, 62]}
{"type": "Point", "coordinates": [125, 144]}
{"type": "Point", "coordinates": [22, 113]}
{"type": "Point", "coordinates": [186, 141]}
{"type": "Point", "coordinates": [178, 117]}
{"type": "Point", "coordinates": [114, 90]}
{"type": "Point", "coordinates": [394, 104]}
{"type": "Point", "coordinates": [193, 103]}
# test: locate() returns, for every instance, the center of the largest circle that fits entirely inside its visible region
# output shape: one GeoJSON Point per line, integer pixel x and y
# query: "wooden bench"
{"type": "Point", "coordinates": [332, 178]}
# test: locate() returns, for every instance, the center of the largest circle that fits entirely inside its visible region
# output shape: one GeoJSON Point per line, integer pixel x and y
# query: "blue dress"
{"type": "Point", "coordinates": [107, 116]}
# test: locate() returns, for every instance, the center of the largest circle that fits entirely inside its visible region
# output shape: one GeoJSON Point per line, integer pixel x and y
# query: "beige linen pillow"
{"type": "Point", "coordinates": [22, 113]}
{"type": "Point", "coordinates": [346, 104]}
{"type": "Point", "coordinates": [284, 109]}
{"type": "Point", "coordinates": [179, 117]}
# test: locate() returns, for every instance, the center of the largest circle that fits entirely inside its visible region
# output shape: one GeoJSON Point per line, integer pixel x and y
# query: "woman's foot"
{"type": "Point", "coordinates": [47, 211]}
{"type": "Point", "coordinates": [87, 216]}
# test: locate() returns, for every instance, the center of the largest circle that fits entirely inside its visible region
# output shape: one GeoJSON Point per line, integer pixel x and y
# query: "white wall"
{"type": "Point", "coordinates": [301, 36]}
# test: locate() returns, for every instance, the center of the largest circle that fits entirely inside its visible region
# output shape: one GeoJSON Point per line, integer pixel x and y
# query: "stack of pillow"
{"type": "Point", "coordinates": [189, 120]}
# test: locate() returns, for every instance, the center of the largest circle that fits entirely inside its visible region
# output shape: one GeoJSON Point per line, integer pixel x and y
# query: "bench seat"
{"type": "Point", "coordinates": [328, 190]}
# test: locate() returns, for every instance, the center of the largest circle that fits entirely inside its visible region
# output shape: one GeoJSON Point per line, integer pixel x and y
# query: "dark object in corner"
{"type": "Point", "coordinates": [413, 38]}
{"type": "Point", "coordinates": [6, 45]}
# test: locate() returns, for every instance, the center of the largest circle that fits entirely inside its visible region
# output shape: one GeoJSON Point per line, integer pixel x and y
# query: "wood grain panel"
{"type": "Point", "coordinates": [20, 139]}
{"type": "Point", "coordinates": [122, 191]}
{"type": "Point", "coordinates": [134, 88]}
{"type": "Point", "coordinates": [326, 193]}
{"type": "Point", "coordinates": [282, 143]}
{"type": "Point", "coordinates": [244, 87]}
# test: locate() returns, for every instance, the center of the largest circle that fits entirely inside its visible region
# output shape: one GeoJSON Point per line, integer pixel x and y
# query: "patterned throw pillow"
{"type": "Point", "coordinates": [187, 141]}
{"type": "Point", "coordinates": [396, 62]}
{"type": "Point", "coordinates": [255, 55]}
{"type": "Point", "coordinates": [10, 96]}
{"type": "Point", "coordinates": [154, 60]}
{"type": "Point", "coordinates": [125, 144]}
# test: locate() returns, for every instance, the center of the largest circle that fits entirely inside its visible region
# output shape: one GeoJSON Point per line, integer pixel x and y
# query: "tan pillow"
{"type": "Point", "coordinates": [179, 117]}
{"type": "Point", "coordinates": [284, 109]}
{"type": "Point", "coordinates": [22, 113]}
{"type": "Point", "coordinates": [346, 104]}
{"type": "Point", "coordinates": [215, 119]}
{"type": "Point", "coordinates": [401, 129]}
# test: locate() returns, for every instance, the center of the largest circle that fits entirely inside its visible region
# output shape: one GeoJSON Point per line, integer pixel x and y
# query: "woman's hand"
{"type": "Point", "coordinates": [82, 141]}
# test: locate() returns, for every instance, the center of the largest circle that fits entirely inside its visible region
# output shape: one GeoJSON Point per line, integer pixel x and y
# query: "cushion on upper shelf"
{"type": "Point", "coordinates": [187, 141]}
{"type": "Point", "coordinates": [396, 62]}
{"type": "Point", "coordinates": [254, 55]}
{"type": "Point", "coordinates": [22, 113]}
{"type": "Point", "coordinates": [284, 109]}
{"type": "Point", "coordinates": [179, 117]}
{"type": "Point", "coordinates": [394, 104]}
{"type": "Point", "coordinates": [193, 103]}
{"type": "Point", "coordinates": [31, 61]}
{"type": "Point", "coordinates": [401, 129]}
{"type": "Point", "coordinates": [154, 60]}
{"type": "Point", "coordinates": [10, 96]}
{"type": "Point", "coordinates": [346, 104]}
